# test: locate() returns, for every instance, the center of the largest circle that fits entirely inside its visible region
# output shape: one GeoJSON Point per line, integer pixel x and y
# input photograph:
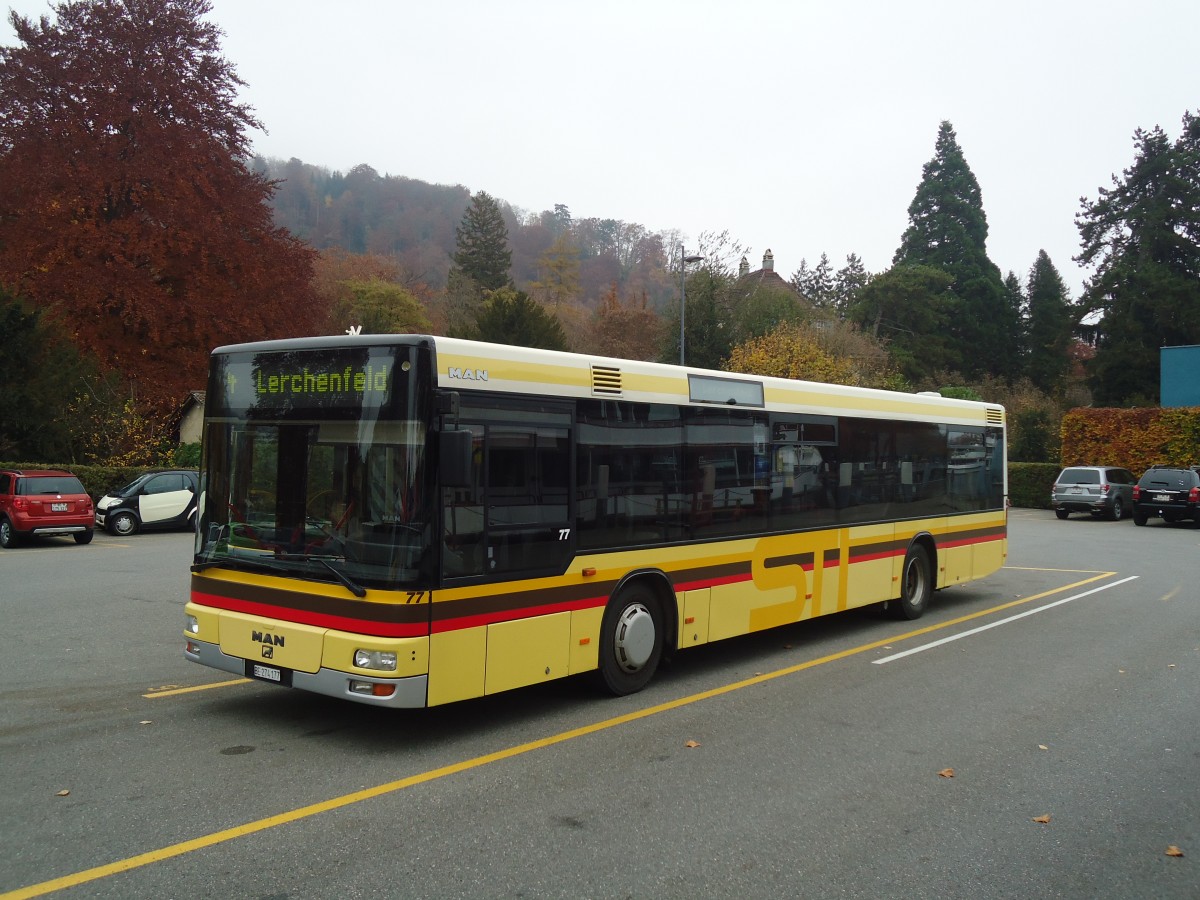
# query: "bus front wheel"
{"type": "Point", "coordinates": [631, 640]}
{"type": "Point", "coordinates": [916, 584]}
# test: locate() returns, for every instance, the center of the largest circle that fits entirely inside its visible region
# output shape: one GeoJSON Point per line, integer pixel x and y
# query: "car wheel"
{"type": "Point", "coordinates": [631, 640]}
{"type": "Point", "coordinates": [123, 524]}
{"type": "Point", "coordinates": [8, 535]}
{"type": "Point", "coordinates": [84, 537]}
{"type": "Point", "coordinates": [1139, 518]}
{"type": "Point", "coordinates": [1061, 513]}
{"type": "Point", "coordinates": [916, 585]}
{"type": "Point", "coordinates": [1117, 513]}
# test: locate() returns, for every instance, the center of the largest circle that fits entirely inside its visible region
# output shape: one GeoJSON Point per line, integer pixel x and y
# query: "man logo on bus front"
{"type": "Point", "coordinates": [268, 651]}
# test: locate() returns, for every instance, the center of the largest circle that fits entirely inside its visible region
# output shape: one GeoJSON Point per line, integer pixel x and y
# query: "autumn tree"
{"type": "Point", "coordinates": [629, 330]}
{"type": "Point", "coordinates": [791, 351]}
{"type": "Point", "coordinates": [128, 213]}
{"type": "Point", "coordinates": [379, 307]}
{"type": "Point", "coordinates": [1142, 237]}
{"type": "Point", "coordinates": [374, 291]}
{"type": "Point", "coordinates": [558, 282]}
{"type": "Point", "coordinates": [948, 230]}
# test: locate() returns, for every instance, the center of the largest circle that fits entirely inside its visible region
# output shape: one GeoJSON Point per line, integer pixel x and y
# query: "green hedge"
{"type": "Point", "coordinates": [1029, 484]}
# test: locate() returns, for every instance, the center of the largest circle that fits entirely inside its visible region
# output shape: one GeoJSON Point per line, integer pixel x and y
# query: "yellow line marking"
{"type": "Point", "coordinates": [175, 692]}
{"type": "Point", "coordinates": [304, 812]}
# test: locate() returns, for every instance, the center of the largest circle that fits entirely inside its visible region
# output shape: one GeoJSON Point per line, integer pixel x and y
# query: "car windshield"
{"type": "Point", "coordinates": [132, 487]}
{"type": "Point", "coordinates": [51, 484]}
{"type": "Point", "coordinates": [1079, 476]}
{"type": "Point", "coordinates": [1167, 477]}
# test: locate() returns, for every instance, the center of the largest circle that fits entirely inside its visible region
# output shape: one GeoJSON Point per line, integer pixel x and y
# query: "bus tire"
{"type": "Point", "coordinates": [631, 640]}
{"type": "Point", "coordinates": [916, 584]}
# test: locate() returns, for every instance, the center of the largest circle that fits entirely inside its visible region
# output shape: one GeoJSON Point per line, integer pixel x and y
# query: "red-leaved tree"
{"type": "Point", "coordinates": [128, 211]}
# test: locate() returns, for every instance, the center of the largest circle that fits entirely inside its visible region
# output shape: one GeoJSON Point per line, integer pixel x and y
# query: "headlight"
{"type": "Point", "coordinates": [379, 660]}
{"type": "Point", "coordinates": [191, 624]}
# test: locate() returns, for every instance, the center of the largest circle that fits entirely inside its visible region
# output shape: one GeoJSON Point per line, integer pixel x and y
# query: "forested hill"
{"type": "Point", "coordinates": [414, 222]}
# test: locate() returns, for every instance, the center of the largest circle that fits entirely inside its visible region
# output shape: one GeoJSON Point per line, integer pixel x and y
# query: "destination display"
{"type": "Point", "coordinates": [342, 382]}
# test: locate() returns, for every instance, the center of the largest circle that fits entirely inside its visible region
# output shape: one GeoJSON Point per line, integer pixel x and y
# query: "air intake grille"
{"type": "Point", "coordinates": [606, 381]}
{"type": "Point", "coordinates": [995, 416]}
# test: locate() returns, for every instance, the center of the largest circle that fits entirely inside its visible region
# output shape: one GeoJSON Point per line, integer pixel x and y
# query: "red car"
{"type": "Point", "coordinates": [43, 502]}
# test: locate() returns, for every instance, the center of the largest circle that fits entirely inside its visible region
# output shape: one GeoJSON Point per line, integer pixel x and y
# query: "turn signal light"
{"type": "Point", "coordinates": [371, 689]}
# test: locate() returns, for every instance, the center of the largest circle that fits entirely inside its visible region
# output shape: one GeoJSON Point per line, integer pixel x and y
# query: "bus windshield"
{"type": "Point", "coordinates": [316, 479]}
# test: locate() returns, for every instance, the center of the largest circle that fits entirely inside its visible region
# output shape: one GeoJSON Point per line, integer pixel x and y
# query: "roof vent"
{"type": "Point", "coordinates": [995, 416]}
{"type": "Point", "coordinates": [606, 381]}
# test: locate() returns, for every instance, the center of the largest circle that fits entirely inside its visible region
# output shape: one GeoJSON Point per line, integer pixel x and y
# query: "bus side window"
{"type": "Point", "coordinates": [463, 515]}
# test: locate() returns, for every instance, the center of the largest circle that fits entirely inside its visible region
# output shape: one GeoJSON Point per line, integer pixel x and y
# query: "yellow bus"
{"type": "Point", "coordinates": [407, 521]}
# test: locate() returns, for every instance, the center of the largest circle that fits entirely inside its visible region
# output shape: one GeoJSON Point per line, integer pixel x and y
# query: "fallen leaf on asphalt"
{"type": "Point", "coordinates": [62, 793]}
{"type": "Point", "coordinates": [1174, 851]}
{"type": "Point", "coordinates": [1043, 747]}
{"type": "Point", "coordinates": [1044, 820]}
{"type": "Point", "coordinates": [145, 722]}
{"type": "Point", "coordinates": [691, 744]}
{"type": "Point", "coordinates": [947, 773]}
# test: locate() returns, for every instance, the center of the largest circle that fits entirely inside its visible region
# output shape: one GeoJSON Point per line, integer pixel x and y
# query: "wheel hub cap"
{"type": "Point", "coordinates": [634, 638]}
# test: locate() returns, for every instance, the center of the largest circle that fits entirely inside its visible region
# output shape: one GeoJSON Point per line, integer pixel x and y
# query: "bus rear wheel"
{"type": "Point", "coordinates": [631, 640]}
{"type": "Point", "coordinates": [916, 585]}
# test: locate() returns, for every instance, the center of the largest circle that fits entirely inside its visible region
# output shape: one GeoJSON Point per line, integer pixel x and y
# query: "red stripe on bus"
{"type": "Point", "coordinates": [508, 615]}
{"type": "Point", "coordinates": [304, 617]}
{"type": "Point", "coordinates": [712, 582]}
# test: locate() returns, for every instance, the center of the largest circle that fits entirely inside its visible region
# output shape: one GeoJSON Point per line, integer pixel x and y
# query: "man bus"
{"type": "Point", "coordinates": [407, 520]}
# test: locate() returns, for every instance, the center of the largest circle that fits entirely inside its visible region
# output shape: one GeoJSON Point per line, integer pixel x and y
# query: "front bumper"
{"type": "Point", "coordinates": [411, 692]}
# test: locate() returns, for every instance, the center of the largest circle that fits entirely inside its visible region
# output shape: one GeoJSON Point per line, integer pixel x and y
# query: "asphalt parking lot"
{"type": "Point", "coordinates": [1036, 733]}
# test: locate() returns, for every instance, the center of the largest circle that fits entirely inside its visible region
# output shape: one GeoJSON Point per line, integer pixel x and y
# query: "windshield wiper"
{"type": "Point", "coordinates": [351, 585]}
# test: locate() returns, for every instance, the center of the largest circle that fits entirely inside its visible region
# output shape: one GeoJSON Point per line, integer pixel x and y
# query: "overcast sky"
{"type": "Point", "coordinates": [797, 126]}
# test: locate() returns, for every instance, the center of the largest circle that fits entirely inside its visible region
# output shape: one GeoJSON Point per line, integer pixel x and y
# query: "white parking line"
{"type": "Point", "coordinates": [1028, 612]}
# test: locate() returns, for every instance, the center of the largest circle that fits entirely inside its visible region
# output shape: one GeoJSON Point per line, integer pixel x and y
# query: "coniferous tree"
{"type": "Point", "coordinates": [509, 316]}
{"type": "Point", "coordinates": [848, 282]}
{"type": "Point", "coordinates": [482, 252]}
{"type": "Point", "coordinates": [948, 230]}
{"type": "Point", "coordinates": [1143, 238]}
{"type": "Point", "coordinates": [821, 284]}
{"type": "Point", "coordinates": [1049, 326]}
{"type": "Point", "coordinates": [1018, 308]}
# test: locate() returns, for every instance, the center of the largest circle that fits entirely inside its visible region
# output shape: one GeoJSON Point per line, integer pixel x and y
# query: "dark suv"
{"type": "Point", "coordinates": [1169, 492]}
{"type": "Point", "coordinates": [1100, 490]}
{"type": "Point", "coordinates": [43, 502]}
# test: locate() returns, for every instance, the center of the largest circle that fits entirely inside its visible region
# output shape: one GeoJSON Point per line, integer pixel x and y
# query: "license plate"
{"type": "Point", "coordinates": [1076, 490]}
{"type": "Point", "coordinates": [266, 673]}
{"type": "Point", "coordinates": [58, 507]}
{"type": "Point", "coordinates": [273, 674]}
{"type": "Point", "coordinates": [1162, 497]}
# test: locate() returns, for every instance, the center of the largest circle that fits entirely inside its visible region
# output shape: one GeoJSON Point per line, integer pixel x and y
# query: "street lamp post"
{"type": "Point", "coordinates": [683, 264]}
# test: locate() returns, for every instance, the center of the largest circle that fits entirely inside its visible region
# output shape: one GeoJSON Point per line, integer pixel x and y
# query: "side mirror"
{"type": "Point", "coordinates": [454, 457]}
